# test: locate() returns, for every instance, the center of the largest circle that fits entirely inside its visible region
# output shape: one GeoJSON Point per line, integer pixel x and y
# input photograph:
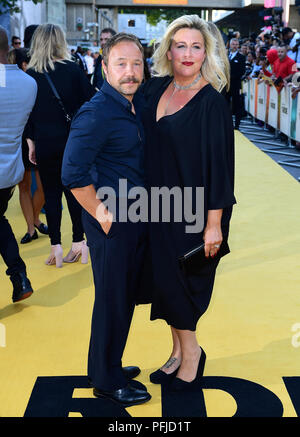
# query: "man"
{"type": "Point", "coordinates": [79, 58]}
{"type": "Point", "coordinates": [105, 146]}
{"type": "Point", "coordinates": [292, 40]}
{"type": "Point", "coordinates": [283, 67]}
{"type": "Point", "coordinates": [89, 60]}
{"type": "Point", "coordinates": [15, 42]}
{"type": "Point", "coordinates": [244, 50]}
{"type": "Point", "coordinates": [98, 77]}
{"type": "Point", "coordinates": [237, 70]}
{"type": "Point", "coordinates": [17, 97]}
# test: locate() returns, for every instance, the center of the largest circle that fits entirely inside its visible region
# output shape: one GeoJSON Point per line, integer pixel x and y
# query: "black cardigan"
{"type": "Point", "coordinates": [47, 120]}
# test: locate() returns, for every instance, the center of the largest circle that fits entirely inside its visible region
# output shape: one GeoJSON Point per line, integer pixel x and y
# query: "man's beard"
{"type": "Point", "coordinates": [126, 80]}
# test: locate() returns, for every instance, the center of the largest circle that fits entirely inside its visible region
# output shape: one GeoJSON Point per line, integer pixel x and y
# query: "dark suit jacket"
{"type": "Point", "coordinates": [98, 78]}
{"type": "Point", "coordinates": [237, 70]}
{"type": "Point", "coordinates": [79, 61]}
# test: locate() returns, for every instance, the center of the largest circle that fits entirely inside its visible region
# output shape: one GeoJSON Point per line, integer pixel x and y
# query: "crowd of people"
{"type": "Point", "coordinates": [273, 57]}
{"type": "Point", "coordinates": [88, 123]}
{"type": "Point", "coordinates": [273, 53]}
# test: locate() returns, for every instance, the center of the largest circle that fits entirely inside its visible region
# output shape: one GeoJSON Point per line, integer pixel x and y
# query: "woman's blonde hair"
{"type": "Point", "coordinates": [48, 46]}
{"type": "Point", "coordinates": [212, 68]}
{"type": "Point", "coordinates": [221, 52]}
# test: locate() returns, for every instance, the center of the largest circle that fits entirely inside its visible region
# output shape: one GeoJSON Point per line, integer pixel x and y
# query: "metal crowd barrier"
{"type": "Point", "coordinates": [277, 109]}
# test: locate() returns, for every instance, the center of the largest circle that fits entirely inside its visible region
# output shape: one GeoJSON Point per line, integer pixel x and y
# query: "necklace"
{"type": "Point", "coordinates": [180, 87]}
{"type": "Point", "coordinates": [186, 87]}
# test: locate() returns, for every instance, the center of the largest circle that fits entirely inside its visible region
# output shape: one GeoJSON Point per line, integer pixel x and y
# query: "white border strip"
{"type": "Point", "coordinates": [2, 76]}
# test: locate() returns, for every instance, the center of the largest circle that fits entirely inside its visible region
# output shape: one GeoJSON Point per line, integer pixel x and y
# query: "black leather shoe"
{"type": "Point", "coordinates": [22, 287]}
{"type": "Point", "coordinates": [126, 396]}
{"type": "Point", "coordinates": [43, 229]}
{"type": "Point", "coordinates": [131, 371]}
{"type": "Point", "coordinates": [27, 237]}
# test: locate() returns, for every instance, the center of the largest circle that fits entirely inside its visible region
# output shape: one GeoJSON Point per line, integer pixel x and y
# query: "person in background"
{"type": "Point", "coordinates": [15, 42]}
{"type": "Point", "coordinates": [283, 67]}
{"type": "Point", "coordinates": [237, 71]}
{"type": "Point", "coordinates": [98, 77]}
{"type": "Point", "coordinates": [48, 130]}
{"type": "Point", "coordinates": [292, 40]}
{"type": "Point", "coordinates": [80, 60]}
{"type": "Point", "coordinates": [89, 60]}
{"type": "Point", "coordinates": [250, 61]}
{"type": "Point", "coordinates": [31, 204]}
{"type": "Point", "coordinates": [14, 113]}
{"type": "Point", "coordinates": [28, 34]}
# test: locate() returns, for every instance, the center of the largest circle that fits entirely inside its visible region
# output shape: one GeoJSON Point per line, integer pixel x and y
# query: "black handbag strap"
{"type": "Point", "coordinates": [57, 96]}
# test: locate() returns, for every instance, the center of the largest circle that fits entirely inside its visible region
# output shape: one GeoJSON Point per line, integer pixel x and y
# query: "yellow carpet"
{"type": "Point", "coordinates": [247, 332]}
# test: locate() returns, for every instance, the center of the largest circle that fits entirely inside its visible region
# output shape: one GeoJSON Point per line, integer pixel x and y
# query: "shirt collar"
{"type": "Point", "coordinates": [108, 89]}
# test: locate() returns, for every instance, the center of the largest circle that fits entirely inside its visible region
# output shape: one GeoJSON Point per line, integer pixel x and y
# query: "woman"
{"type": "Point", "coordinates": [31, 204]}
{"type": "Point", "coordinates": [48, 131]}
{"type": "Point", "coordinates": [190, 138]}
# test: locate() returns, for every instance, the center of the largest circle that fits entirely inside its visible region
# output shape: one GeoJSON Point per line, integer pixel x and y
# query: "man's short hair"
{"type": "Point", "coordinates": [286, 31]}
{"type": "Point", "coordinates": [116, 39]}
{"type": "Point", "coordinates": [28, 34]}
{"type": "Point", "coordinates": [14, 37]}
{"type": "Point", "coordinates": [109, 30]}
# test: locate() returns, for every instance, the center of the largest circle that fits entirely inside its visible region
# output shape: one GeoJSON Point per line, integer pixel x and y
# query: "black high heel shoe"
{"type": "Point", "coordinates": [179, 384]}
{"type": "Point", "coordinates": [160, 377]}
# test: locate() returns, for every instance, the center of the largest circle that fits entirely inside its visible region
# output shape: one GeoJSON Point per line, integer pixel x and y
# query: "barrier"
{"type": "Point", "coordinates": [277, 109]}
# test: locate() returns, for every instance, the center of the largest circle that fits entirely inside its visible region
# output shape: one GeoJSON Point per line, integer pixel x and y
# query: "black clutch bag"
{"type": "Point", "coordinates": [194, 260]}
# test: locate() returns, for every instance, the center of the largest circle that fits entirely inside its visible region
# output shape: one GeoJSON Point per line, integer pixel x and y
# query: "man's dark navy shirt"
{"type": "Point", "coordinates": [106, 143]}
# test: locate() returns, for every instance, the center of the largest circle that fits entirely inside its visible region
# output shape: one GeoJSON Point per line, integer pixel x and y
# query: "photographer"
{"type": "Point", "coordinates": [292, 40]}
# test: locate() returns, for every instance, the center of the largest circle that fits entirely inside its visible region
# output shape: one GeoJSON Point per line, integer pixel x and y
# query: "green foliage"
{"type": "Point", "coordinates": [154, 15]}
{"type": "Point", "coordinates": [12, 6]}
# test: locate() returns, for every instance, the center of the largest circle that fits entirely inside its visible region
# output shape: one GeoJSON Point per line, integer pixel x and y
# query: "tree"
{"type": "Point", "coordinates": [154, 15]}
{"type": "Point", "coordinates": [12, 6]}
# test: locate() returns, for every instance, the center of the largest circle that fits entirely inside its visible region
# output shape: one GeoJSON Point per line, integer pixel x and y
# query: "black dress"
{"type": "Point", "coordinates": [192, 148]}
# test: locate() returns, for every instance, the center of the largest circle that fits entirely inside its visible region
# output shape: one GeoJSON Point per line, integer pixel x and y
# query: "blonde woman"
{"type": "Point", "coordinates": [190, 140]}
{"type": "Point", "coordinates": [48, 131]}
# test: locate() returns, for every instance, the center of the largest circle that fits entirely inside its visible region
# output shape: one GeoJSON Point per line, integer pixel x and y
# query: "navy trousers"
{"type": "Point", "coordinates": [117, 260]}
{"type": "Point", "coordinates": [9, 248]}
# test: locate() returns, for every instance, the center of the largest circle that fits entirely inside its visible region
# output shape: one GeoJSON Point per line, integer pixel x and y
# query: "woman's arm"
{"type": "Point", "coordinates": [212, 232]}
{"type": "Point", "coordinates": [31, 153]}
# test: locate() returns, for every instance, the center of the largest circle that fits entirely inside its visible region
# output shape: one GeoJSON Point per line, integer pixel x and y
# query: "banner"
{"type": "Point", "coordinates": [295, 119]}
{"type": "Point", "coordinates": [255, 97]}
{"type": "Point", "coordinates": [277, 109]}
{"type": "Point", "coordinates": [252, 98]}
{"type": "Point", "coordinates": [270, 3]}
{"type": "Point", "coordinates": [273, 107]}
{"type": "Point", "coordinates": [261, 102]}
{"type": "Point", "coordinates": [285, 111]}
